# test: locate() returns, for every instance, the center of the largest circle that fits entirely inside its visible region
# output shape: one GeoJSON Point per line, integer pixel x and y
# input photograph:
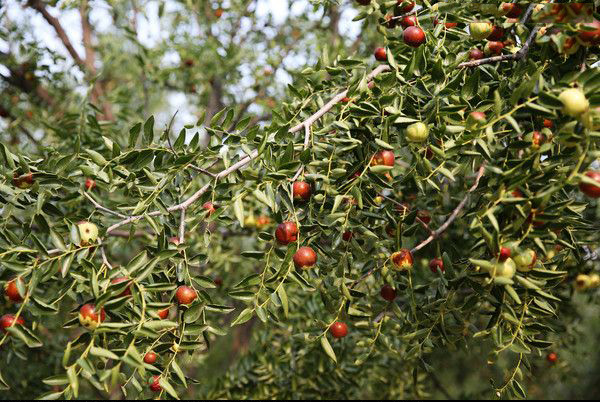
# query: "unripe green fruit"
{"type": "Point", "coordinates": [574, 102]}
{"type": "Point", "coordinates": [525, 260]}
{"type": "Point", "coordinates": [417, 132]}
{"type": "Point", "coordinates": [591, 119]}
{"type": "Point", "coordinates": [480, 30]}
{"type": "Point", "coordinates": [88, 232]}
{"type": "Point", "coordinates": [506, 269]}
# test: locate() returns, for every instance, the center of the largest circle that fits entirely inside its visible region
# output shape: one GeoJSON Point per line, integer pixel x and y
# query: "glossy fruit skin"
{"type": "Point", "coordinates": [417, 132]}
{"type": "Point", "coordinates": [582, 282]}
{"type": "Point", "coordinates": [338, 330]}
{"type": "Point", "coordinates": [305, 258]}
{"type": "Point", "coordinates": [475, 54]}
{"type": "Point", "coordinates": [12, 292]}
{"type": "Point", "coordinates": [497, 34]}
{"type": "Point", "coordinates": [90, 184]}
{"type": "Point", "coordinates": [7, 321]}
{"type": "Point", "coordinates": [574, 102]}
{"type": "Point", "coordinates": [174, 240]}
{"type": "Point", "coordinates": [592, 37]}
{"type": "Point", "coordinates": [24, 181]}
{"type": "Point", "coordinates": [512, 10]}
{"type": "Point", "coordinates": [210, 207]}
{"type": "Point", "coordinates": [480, 30]}
{"type": "Point", "coordinates": [413, 36]}
{"type": "Point", "coordinates": [548, 123]}
{"type": "Point", "coordinates": [552, 357]}
{"type": "Point", "coordinates": [424, 216]}
{"type": "Point", "coordinates": [90, 318]}
{"type": "Point", "coordinates": [155, 385]}
{"type": "Point", "coordinates": [150, 358]}
{"type": "Point", "coordinates": [506, 269]}
{"type": "Point", "coordinates": [588, 189]}
{"type": "Point", "coordinates": [537, 139]}
{"type": "Point", "coordinates": [127, 291]}
{"type": "Point", "coordinates": [185, 295]}
{"type": "Point", "coordinates": [219, 12]}
{"type": "Point", "coordinates": [504, 254]}
{"type": "Point", "coordinates": [493, 48]}
{"type": "Point", "coordinates": [436, 265]}
{"type": "Point", "coordinates": [388, 293]}
{"type": "Point", "coordinates": [408, 21]}
{"type": "Point", "coordinates": [286, 233]}
{"type": "Point", "coordinates": [301, 191]}
{"type": "Point", "coordinates": [402, 260]}
{"type": "Point", "coordinates": [525, 260]}
{"type": "Point", "coordinates": [347, 236]}
{"type": "Point", "coordinates": [163, 314]}
{"type": "Point", "coordinates": [406, 8]}
{"type": "Point", "coordinates": [88, 232]}
{"type": "Point", "coordinates": [383, 158]}
{"type": "Point", "coordinates": [380, 54]}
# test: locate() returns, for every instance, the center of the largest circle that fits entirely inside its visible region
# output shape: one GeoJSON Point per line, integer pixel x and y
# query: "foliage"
{"type": "Point", "coordinates": [485, 185]}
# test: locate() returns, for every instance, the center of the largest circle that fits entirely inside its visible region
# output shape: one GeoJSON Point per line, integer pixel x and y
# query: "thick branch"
{"type": "Point", "coordinates": [40, 7]}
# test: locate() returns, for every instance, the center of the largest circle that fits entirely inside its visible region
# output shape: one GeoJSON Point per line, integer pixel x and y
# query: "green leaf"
{"type": "Point", "coordinates": [100, 352]}
{"type": "Point", "coordinates": [149, 130]}
{"type": "Point", "coordinates": [243, 317]}
{"type": "Point", "coordinates": [327, 348]}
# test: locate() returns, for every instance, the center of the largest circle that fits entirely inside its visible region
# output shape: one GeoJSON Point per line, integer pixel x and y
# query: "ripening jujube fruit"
{"type": "Point", "coordinates": [12, 291]}
{"type": "Point", "coordinates": [338, 330]}
{"type": "Point", "coordinates": [301, 191]}
{"type": "Point", "coordinates": [185, 295]}
{"type": "Point", "coordinates": [127, 291]}
{"type": "Point", "coordinates": [589, 189]}
{"type": "Point", "coordinates": [388, 293]}
{"type": "Point", "coordinates": [305, 258]}
{"type": "Point", "coordinates": [24, 181]}
{"type": "Point", "coordinates": [383, 158]}
{"type": "Point", "coordinates": [402, 260]}
{"type": "Point", "coordinates": [90, 184]}
{"type": "Point", "coordinates": [475, 54]}
{"type": "Point", "coordinates": [210, 207]}
{"type": "Point", "coordinates": [163, 314]}
{"type": "Point", "coordinates": [408, 21]}
{"type": "Point", "coordinates": [286, 233]}
{"type": "Point", "coordinates": [414, 36]}
{"type": "Point", "coordinates": [8, 320]}
{"type": "Point", "coordinates": [150, 358]}
{"type": "Point", "coordinates": [155, 385]}
{"type": "Point", "coordinates": [436, 265]}
{"type": "Point", "coordinates": [380, 54]}
{"type": "Point", "coordinates": [90, 317]}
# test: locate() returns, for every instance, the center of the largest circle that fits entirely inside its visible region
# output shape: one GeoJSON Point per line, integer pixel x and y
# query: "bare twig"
{"type": "Point", "coordinates": [453, 216]}
{"type": "Point", "coordinates": [101, 208]}
{"type": "Point", "coordinates": [247, 159]}
{"type": "Point", "coordinates": [521, 54]}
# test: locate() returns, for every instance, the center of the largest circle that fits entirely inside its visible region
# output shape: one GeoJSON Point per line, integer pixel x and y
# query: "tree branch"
{"type": "Point", "coordinates": [247, 159]}
{"type": "Point", "coordinates": [453, 216]}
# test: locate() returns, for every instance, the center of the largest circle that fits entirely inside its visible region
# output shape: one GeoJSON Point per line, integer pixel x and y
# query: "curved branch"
{"type": "Point", "coordinates": [244, 161]}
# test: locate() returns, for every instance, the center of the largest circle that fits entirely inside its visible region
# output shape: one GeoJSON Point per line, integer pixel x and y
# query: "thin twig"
{"type": "Point", "coordinates": [453, 216]}
{"type": "Point", "coordinates": [101, 208]}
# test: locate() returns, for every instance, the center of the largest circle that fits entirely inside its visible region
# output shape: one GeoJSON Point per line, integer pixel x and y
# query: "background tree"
{"type": "Point", "coordinates": [383, 228]}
